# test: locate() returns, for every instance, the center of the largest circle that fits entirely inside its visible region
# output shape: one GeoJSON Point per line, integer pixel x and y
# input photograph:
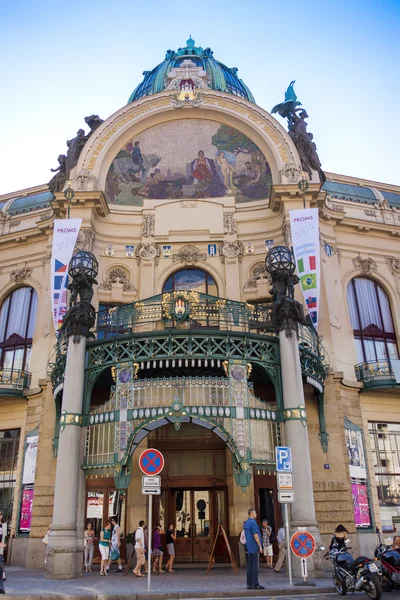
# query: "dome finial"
{"type": "Point", "coordinates": [190, 43]}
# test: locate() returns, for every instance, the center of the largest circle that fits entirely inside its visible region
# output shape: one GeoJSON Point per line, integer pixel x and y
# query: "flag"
{"type": "Point", "coordinates": [305, 235]}
{"type": "Point", "coordinates": [65, 235]}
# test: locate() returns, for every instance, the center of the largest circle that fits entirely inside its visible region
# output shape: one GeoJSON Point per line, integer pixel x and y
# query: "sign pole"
{"type": "Point", "coordinates": [149, 561]}
{"type": "Point", "coordinates": [289, 552]}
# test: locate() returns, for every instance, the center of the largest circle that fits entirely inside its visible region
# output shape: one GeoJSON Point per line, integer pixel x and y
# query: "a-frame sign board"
{"type": "Point", "coordinates": [221, 531]}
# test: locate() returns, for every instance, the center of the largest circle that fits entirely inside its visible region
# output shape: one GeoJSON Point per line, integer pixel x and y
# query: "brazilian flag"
{"type": "Point", "coordinates": [308, 282]}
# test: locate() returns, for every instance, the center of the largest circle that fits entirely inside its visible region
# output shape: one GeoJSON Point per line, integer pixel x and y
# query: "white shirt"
{"type": "Point", "coordinates": [139, 535]}
{"type": "Point", "coordinates": [281, 535]}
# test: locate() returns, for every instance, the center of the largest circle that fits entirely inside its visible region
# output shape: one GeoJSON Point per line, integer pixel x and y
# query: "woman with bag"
{"type": "Point", "coordinates": [115, 553]}
{"type": "Point", "coordinates": [89, 536]}
{"type": "Point", "coordinates": [104, 547]}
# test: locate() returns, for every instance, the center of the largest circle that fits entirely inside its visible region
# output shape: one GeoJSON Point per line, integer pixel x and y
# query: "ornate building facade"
{"type": "Point", "coordinates": [182, 192]}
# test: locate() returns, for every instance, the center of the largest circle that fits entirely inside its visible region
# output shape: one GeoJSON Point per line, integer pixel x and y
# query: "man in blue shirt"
{"type": "Point", "coordinates": [254, 549]}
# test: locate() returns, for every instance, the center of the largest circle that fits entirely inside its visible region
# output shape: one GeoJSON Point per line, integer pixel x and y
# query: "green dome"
{"type": "Point", "coordinates": [219, 76]}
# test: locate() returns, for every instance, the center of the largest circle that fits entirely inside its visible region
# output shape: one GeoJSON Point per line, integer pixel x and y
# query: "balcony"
{"type": "Point", "coordinates": [376, 375]}
{"type": "Point", "coordinates": [190, 326]}
{"type": "Point", "coordinates": [14, 381]}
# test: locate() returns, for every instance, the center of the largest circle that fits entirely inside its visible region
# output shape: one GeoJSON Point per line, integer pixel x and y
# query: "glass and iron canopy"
{"type": "Point", "coordinates": [219, 76]}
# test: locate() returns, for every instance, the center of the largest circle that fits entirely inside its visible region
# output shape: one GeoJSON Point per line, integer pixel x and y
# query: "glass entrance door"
{"type": "Point", "coordinates": [193, 522]}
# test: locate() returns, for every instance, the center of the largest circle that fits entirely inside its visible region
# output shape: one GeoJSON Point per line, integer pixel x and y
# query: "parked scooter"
{"type": "Point", "coordinates": [349, 575]}
{"type": "Point", "coordinates": [390, 566]}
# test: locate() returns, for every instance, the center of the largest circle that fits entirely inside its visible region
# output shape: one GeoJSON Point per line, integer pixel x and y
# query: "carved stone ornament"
{"type": "Point", "coordinates": [85, 180]}
{"type": "Point", "coordinates": [15, 223]}
{"type": "Point", "coordinates": [258, 272]}
{"type": "Point", "coordinates": [46, 259]}
{"type": "Point", "coordinates": [189, 255]}
{"type": "Point", "coordinates": [147, 252]}
{"type": "Point", "coordinates": [18, 275]}
{"type": "Point", "coordinates": [86, 238]}
{"type": "Point", "coordinates": [118, 275]}
{"type": "Point", "coordinates": [229, 224]}
{"type": "Point", "coordinates": [231, 250]}
{"type": "Point", "coordinates": [291, 173]}
{"type": "Point", "coordinates": [393, 264]}
{"type": "Point", "coordinates": [45, 216]}
{"type": "Point", "coordinates": [148, 226]}
{"type": "Point", "coordinates": [366, 265]}
{"type": "Point", "coordinates": [187, 77]}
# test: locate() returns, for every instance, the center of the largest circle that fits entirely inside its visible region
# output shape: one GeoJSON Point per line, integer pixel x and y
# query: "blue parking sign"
{"type": "Point", "coordinates": [283, 459]}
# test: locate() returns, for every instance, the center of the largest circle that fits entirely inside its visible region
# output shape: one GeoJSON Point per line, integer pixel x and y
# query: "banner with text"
{"type": "Point", "coordinates": [64, 239]}
{"type": "Point", "coordinates": [305, 239]}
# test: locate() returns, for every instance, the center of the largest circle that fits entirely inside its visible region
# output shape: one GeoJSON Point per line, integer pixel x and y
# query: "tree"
{"type": "Point", "coordinates": [231, 140]}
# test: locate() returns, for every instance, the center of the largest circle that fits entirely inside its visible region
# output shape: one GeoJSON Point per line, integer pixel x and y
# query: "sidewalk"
{"type": "Point", "coordinates": [185, 583]}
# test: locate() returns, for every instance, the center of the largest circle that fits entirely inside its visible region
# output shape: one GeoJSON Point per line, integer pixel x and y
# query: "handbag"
{"type": "Point", "coordinates": [114, 554]}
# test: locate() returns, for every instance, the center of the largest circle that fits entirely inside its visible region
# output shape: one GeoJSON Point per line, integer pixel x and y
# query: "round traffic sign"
{"type": "Point", "coordinates": [302, 544]}
{"type": "Point", "coordinates": [151, 462]}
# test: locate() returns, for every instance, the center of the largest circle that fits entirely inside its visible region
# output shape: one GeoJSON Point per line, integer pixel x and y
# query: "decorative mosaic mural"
{"type": "Point", "coordinates": [191, 158]}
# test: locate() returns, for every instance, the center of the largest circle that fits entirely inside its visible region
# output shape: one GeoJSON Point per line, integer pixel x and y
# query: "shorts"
{"type": "Point", "coordinates": [268, 550]}
{"type": "Point", "coordinates": [171, 549]}
{"type": "Point", "coordinates": [104, 551]}
{"type": "Point", "coordinates": [157, 552]}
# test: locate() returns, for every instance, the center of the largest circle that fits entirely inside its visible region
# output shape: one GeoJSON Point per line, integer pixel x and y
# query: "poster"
{"type": "Point", "coordinates": [64, 239]}
{"type": "Point", "coordinates": [95, 505]}
{"type": "Point", "coordinates": [31, 447]}
{"type": "Point", "coordinates": [305, 239]}
{"type": "Point", "coordinates": [26, 509]}
{"type": "Point", "coordinates": [358, 476]}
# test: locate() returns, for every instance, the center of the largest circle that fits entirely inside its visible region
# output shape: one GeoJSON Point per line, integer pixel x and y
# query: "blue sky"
{"type": "Point", "coordinates": [61, 63]}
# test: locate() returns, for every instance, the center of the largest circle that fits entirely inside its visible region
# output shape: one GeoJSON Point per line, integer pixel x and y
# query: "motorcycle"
{"type": "Point", "coordinates": [390, 566]}
{"type": "Point", "coordinates": [357, 575]}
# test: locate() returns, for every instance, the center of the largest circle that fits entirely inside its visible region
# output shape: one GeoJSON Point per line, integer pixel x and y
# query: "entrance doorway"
{"type": "Point", "coordinates": [194, 493]}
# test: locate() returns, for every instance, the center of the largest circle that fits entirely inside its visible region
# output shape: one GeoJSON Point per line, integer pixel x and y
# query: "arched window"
{"type": "Point", "coordinates": [372, 322]}
{"type": "Point", "coordinates": [17, 326]}
{"type": "Point", "coordinates": [191, 279]}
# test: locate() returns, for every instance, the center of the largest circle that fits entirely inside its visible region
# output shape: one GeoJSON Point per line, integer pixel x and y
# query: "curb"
{"type": "Point", "coordinates": [182, 595]}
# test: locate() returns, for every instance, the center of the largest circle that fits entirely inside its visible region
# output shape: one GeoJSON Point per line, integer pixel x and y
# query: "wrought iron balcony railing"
{"type": "Point", "coordinates": [376, 374]}
{"type": "Point", "coordinates": [14, 380]}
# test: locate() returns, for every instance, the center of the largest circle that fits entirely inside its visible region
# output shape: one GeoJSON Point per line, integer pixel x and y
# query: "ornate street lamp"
{"type": "Point", "coordinates": [69, 194]}
{"type": "Point", "coordinates": [85, 261]}
{"type": "Point", "coordinates": [280, 258]}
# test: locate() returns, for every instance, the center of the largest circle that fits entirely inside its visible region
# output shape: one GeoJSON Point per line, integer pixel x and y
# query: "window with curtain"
{"type": "Point", "coordinates": [371, 320]}
{"type": "Point", "coordinates": [191, 279]}
{"type": "Point", "coordinates": [17, 326]}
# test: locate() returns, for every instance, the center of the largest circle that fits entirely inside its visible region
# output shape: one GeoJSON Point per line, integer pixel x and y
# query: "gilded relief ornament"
{"type": "Point", "coordinates": [231, 250]}
{"type": "Point", "coordinates": [366, 265]}
{"type": "Point", "coordinates": [189, 255]}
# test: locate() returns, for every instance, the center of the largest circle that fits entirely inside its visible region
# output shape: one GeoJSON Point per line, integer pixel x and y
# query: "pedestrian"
{"type": "Point", "coordinates": [339, 538]}
{"type": "Point", "coordinates": [4, 531]}
{"type": "Point", "coordinates": [2, 546]}
{"type": "Point", "coordinates": [281, 537]}
{"type": "Point", "coordinates": [146, 549]}
{"type": "Point", "coordinates": [266, 532]}
{"type": "Point", "coordinates": [115, 552]}
{"type": "Point", "coordinates": [104, 547]}
{"type": "Point", "coordinates": [254, 549]}
{"type": "Point", "coordinates": [157, 550]}
{"type": "Point", "coordinates": [88, 543]}
{"type": "Point", "coordinates": [139, 550]}
{"type": "Point", "coordinates": [171, 537]}
{"type": "Point", "coordinates": [45, 541]}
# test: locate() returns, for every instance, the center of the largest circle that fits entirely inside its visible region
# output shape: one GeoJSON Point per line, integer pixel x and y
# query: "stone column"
{"type": "Point", "coordinates": [64, 555]}
{"type": "Point", "coordinates": [65, 548]}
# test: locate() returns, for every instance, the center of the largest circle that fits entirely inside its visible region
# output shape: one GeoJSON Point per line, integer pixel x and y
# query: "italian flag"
{"type": "Point", "coordinates": [308, 263]}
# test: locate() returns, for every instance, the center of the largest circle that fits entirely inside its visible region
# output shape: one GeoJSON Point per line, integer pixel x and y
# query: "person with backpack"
{"type": "Point", "coordinates": [254, 549]}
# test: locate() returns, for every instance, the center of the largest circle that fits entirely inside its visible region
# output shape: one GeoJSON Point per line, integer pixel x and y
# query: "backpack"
{"type": "Point", "coordinates": [242, 538]}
